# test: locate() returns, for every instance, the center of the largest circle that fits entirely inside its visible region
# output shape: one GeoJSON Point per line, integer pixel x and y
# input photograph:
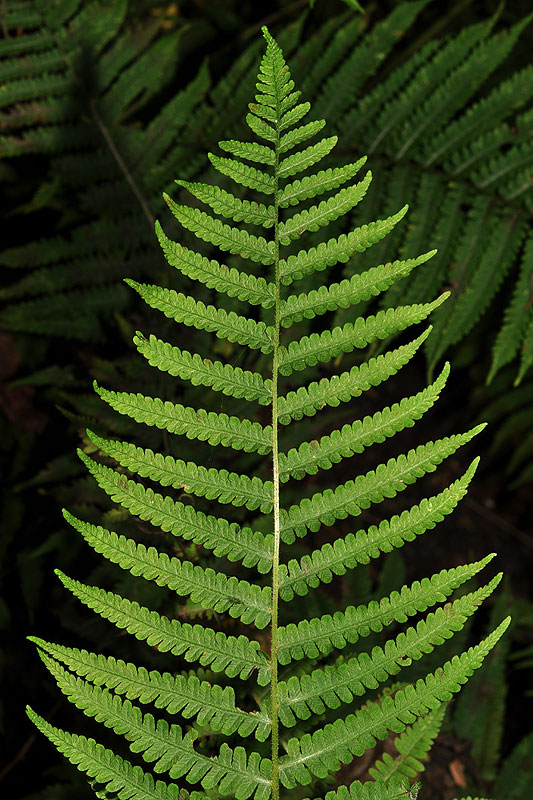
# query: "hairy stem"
{"type": "Point", "coordinates": [275, 481]}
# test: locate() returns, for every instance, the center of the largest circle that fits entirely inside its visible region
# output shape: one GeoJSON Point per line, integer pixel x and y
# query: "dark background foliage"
{"type": "Point", "coordinates": [49, 353]}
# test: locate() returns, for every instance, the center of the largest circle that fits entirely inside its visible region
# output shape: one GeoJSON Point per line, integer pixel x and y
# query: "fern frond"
{"type": "Point", "coordinates": [226, 237]}
{"type": "Point", "coordinates": [350, 498]}
{"type": "Point", "coordinates": [167, 745]}
{"type": "Point", "coordinates": [329, 253]}
{"type": "Point", "coordinates": [194, 313]}
{"type": "Point", "coordinates": [205, 586]}
{"type": "Point", "coordinates": [106, 767]}
{"type": "Point", "coordinates": [327, 211]}
{"type": "Point", "coordinates": [348, 292]}
{"type": "Point", "coordinates": [247, 176]}
{"type": "Point", "coordinates": [321, 635]}
{"type": "Point", "coordinates": [309, 457]}
{"type": "Point", "coordinates": [326, 749]}
{"type": "Point", "coordinates": [297, 577]}
{"type": "Point", "coordinates": [341, 388]}
{"type": "Point", "coordinates": [251, 151]}
{"type": "Point", "coordinates": [210, 704]}
{"type": "Point", "coordinates": [216, 276]}
{"type": "Point", "coordinates": [227, 205]}
{"type": "Point", "coordinates": [215, 428]}
{"type": "Point", "coordinates": [234, 655]}
{"type": "Point", "coordinates": [312, 185]}
{"type": "Point", "coordinates": [213, 533]}
{"type": "Point", "coordinates": [310, 350]}
{"type": "Point", "coordinates": [412, 746]}
{"type": "Point", "coordinates": [226, 487]}
{"type": "Point", "coordinates": [220, 377]}
{"type": "Point", "coordinates": [331, 686]}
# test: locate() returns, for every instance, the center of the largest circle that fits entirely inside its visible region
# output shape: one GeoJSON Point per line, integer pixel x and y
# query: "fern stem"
{"type": "Point", "coordinates": [274, 646]}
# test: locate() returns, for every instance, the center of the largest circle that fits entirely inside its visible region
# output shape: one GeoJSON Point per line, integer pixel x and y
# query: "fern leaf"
{"type": "Point", "coordinates": [252, 151]}
{"type": "Point", "coordinates": [224, 378]}
{"type": "Point", "coordinates": [216, 276]}
{"type": "Point", "coordinates": [291, 165]}
{"type": "Point", "coordinates": [308, 400]}
{"type": "Point", "coordinates": [213, 533]}
{"type": "Point", "coordinates": [358, 288]}
{"type": "Point", "coordinates": [194, 313]}
{"type": "Point", "coordinates": [329, 253]}
{"type": "Point", "coordinates": [241, 173]}
{"type": "Point", "coordinates": [227, 205]}
{"type": "Point", "coordinates": [215, 428]}
{"type": "Point", "coordinates": [350, 498]}
{"type": "Point", "coordinates": [297, 577]}
{"type": "Point", "coordinates": [224, 486]}
{"type": "Point", "coordinates": [354, 438]}
{"type": "Point", "coordinates": [313, 185]}
{"type": "Point", "coordinates": [331, 686]}
{"type": "Point", "coordinates": [516, 317]}
{"type": "Point", "coordinates": [326, 749]}
{"type": "Point", "coordinates": [396, 789]}
{"type": "Point", "coordinates": [310, 350]}
{"type": "Point", "coordinates": [210, 704]}
{"type": "Point", "coordinates": [106, 767]}
{"type": "Point", "coordinates": [322, 634]}
{"type": "Point", "coordinates": [230, 654]}
{"type": "Point", "coordinates": [166, 745]}
{"type": "Point", "coordinates": [226, 237]}
{"type": "Point", "coordinates": [298, 135]}
{"type": "Point", "coordinates": [260, 128]}
{"type": "Point", "coordinates": [210, 589]}
{"type": "Point", "coordinates": [328, 210]}
{"type": "Point", "coordinates": [412, 746]}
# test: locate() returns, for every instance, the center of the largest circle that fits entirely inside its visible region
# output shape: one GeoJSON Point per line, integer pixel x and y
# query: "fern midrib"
{"type": "Point", "coordinates": [274, 644]}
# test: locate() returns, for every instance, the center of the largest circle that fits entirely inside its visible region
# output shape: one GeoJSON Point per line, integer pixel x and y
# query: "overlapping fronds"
{"type": "Point", "coordinates": [251, 584]}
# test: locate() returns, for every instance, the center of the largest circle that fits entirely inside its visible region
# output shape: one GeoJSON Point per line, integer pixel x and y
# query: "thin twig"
{"type": "Point", "coordinates": [121, 163]}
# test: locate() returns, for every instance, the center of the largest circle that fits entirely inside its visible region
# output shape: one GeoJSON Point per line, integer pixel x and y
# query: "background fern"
{"type": "Point", "coordinates": [49, 373]}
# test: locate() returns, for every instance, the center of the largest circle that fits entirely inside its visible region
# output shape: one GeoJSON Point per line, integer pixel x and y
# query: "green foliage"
{"type": "Point", "coordinates": [266, 698]}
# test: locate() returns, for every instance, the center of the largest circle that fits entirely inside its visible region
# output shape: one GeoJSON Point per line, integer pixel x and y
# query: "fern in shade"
{"type": "Point", "coordinates": [289, 700]}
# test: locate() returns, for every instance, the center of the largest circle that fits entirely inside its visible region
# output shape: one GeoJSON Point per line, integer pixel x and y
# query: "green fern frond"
{"type": "Point", "coordinates": [331, 686]}
{"type": "Point", "coordinates": [347, 292]}
{"type": "Point", "coordinates": [341, 388]}
{"type": "Point", "coordinates": [311, 698]}
{"type": "Point", "coordinates": [412, 746]}
{"type": "Point", "coordinates": [297, 577]}
{"type": "Point", "coordinates": [214, 533]}
{"type": "Point", "coordinates": [326, 749]}
{"type": "Point", "coordinates": [349, 499]}
{"type": "Point", "coordinates": [220, 377]}
{"type": "Point", "coordinates": [354, 438]}
{"type": "Point", "coordinates": [329, 253]}
{"type": "Point", "coordinates": [196, 314]}
{"type": "Point", "coordinates": [210, 589]}
{"type": "Point", "coordinates": [310, 638]}
{"type": "Point", "coordinates": [189, 696]}
{"type": "Point", "coordinates": [230, 654]}
{"type": "Point", "coordinates": [105, 766]}
{"type": "Point", "coordinates": [217, 276]}
{"type": "Point", "coordinates": [240, 434]}
{"type": "Point", "coordinates": [226, 487]}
